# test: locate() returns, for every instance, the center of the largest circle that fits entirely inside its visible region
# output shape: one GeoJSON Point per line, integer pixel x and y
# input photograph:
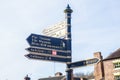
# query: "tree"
{"type": "Point", "coordinates": [88, 75]}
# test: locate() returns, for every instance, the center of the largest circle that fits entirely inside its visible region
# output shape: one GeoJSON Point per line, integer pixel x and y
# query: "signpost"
{"type": "Point", "coordinates": [83, 63]}
{"type": "Point", "coordinates": [68, 12]}
{"type": "Point", "coordinates": [58, 30]}
{"type": "Point", "coordinates": [48, 48]}
{"type": "Point", "coordinates": [49, 52]}
{"type": "Point", "coordinates": [48, 42]}
{"type": "Point", "coordinates": [48, 58]}
{"type": "Point", "coordinates": [58, 34]}
{"type": "Point", "coordinates": [56, 49]}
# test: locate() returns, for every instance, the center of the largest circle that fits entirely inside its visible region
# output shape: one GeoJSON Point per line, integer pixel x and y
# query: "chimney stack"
{"type": "Point", "coordinates": [99, 67]}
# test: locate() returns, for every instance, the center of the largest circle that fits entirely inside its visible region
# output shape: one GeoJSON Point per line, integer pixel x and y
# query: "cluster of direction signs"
{"type": "Point", "coordinates": [53, 49]}
{"type": "Point", "coordinates": [48, 48]}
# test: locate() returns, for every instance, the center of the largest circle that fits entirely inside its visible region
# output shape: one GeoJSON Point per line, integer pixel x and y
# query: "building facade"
{"type": "Point", "coordinates": [108, 68]}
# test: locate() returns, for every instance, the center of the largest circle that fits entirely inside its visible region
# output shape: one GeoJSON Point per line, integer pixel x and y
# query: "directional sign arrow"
{"type": "Point", "coordinates": [83, 63]}
{"type": "Point", "coordinates": [48, 42]}
{"type": "Point", "coordinates": [49, 52]}
{"type": "Point", "coordinates": [48, 58]}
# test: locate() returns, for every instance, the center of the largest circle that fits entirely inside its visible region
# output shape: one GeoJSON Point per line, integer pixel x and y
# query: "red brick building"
{"type": "Point", "coordinates": [108, 68]}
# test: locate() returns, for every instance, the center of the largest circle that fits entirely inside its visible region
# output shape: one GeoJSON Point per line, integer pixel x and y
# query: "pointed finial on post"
{"type": "Point", "coordinates": [68, 6]}
{"type": "Point", "coordinates": [68, 9]}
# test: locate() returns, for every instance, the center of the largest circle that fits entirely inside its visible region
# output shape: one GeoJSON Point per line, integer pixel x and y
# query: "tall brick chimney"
{"type": "Point", "coordinates": [99, 67]}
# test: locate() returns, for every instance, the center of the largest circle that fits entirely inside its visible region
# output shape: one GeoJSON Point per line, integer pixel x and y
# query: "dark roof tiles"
{"type": "Point", "coordinates": [114, 55]}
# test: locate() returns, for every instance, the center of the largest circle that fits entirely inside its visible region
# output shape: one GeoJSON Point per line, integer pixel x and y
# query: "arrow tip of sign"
{"type": "Point", "coordinates": [26, 55]}
{"type": "Point", "coordinates": [26, 48]}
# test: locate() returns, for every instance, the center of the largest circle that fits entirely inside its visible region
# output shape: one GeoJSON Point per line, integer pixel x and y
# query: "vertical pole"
{"type": "Point", "coordinates": [68, 12]}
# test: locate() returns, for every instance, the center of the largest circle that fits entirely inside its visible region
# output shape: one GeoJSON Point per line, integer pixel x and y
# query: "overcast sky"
{"type": "Point", "coordinates": [95, 27]}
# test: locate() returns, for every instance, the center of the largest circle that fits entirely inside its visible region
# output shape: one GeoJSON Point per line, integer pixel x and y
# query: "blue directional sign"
{"type": "Point", "coordinates": [48, 42]}
{"type": "Point", "coordinates": [92, 61]}
{"type": "Point", "coordinates": [77, 64]}
{"type": "Point", "coordinates": [48, 58]}
{"type": "Point", "coordinates": [49, 52]}
{"type": "Point", "coordinates": [83, 63]}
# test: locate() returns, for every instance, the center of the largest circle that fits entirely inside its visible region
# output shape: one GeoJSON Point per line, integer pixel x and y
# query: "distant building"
{"type": "Point", "coordinates": [108, 68]}
{"type": "Point", "coordinates": [59, 76]}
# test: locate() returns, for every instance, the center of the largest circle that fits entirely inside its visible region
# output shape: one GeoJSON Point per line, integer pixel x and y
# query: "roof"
{"type": "Point", "coordinates": [52, 78]}
{"type": "Point", "coordinates": [114, 55]}
{"type": "Point", "coordinates": [75, 78]}
{"type": "Point", "coordinates": [58, 78]}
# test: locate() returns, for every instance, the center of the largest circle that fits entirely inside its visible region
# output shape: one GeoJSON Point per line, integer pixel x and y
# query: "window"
{"type": "Point", "coordinates": [117, 65]}
{"type": "Point", "coordinates": [117, 77]}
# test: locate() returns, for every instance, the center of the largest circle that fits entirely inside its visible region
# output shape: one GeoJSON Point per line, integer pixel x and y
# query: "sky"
{"type": "Point", "coordinates": [95, 28]}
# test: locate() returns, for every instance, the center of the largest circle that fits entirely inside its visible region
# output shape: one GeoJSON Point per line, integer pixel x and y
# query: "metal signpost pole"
{"type": "Point", "coordinates": [68, 12]}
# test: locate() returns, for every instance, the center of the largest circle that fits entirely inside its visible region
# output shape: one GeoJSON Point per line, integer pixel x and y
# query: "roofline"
{"type": "Point", "coordinates": [110, 58]}
{"type": "Point", "coordinates": [52, 77]}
